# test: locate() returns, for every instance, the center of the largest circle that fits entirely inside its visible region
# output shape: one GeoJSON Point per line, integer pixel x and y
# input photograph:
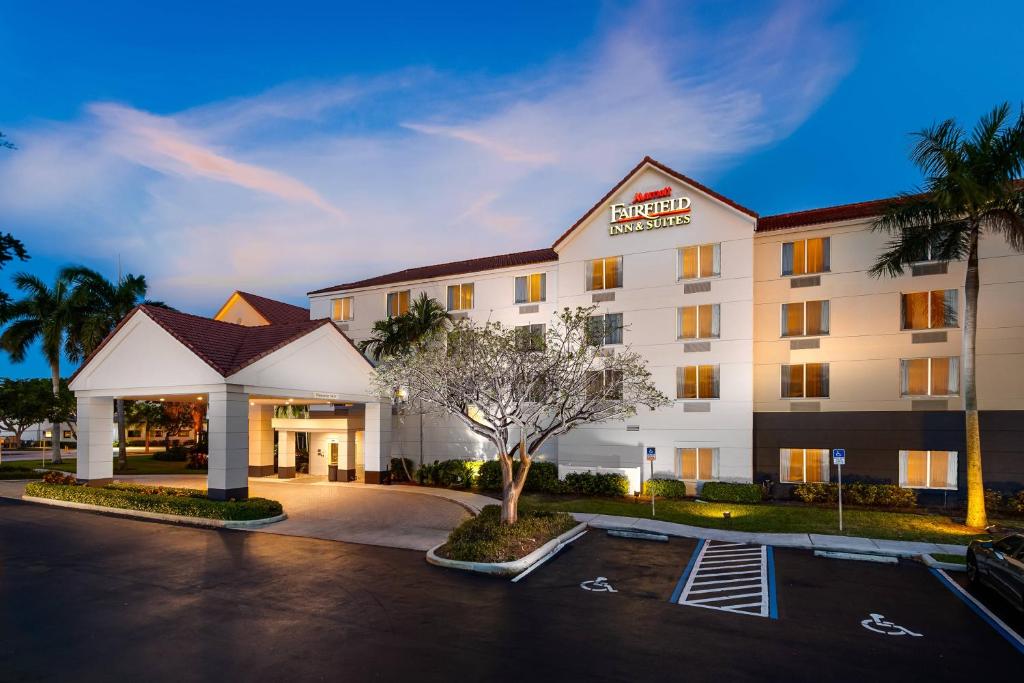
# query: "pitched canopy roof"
{"type": "Point", "coordinates": [225, 347]}
{"type": "Point", "coordinates": [274, 312]}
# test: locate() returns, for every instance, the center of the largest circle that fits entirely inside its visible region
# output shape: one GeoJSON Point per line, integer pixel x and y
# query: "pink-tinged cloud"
{"type": "Point", "coordinates": [159, 144]}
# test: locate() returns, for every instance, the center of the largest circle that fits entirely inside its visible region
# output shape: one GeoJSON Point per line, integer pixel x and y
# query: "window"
{"type": "Point", "coordinates": [698, 464]}
{"type": "Point", "coordinates": [460, 297]}
{"type": "Point", "coordinates": [133, 433]}
{"type": "Point", "coordinates": [697, 381]}
{"type": "Point", "coordinates": [184, 431]}
{"type": "Point", "coordinates": [929, 310]}
{"type": "Point", "coordinates": [699, 322]}
{"type": "Point", "coordinates": [531, 337]}
{"type": "Point", "coordinates": [158, 433]}
{"type": "Point", "coordinates": [805, 318]}
{"type": "Point", "coordinates": [531, 288]}
{"type": "Point", "coordinates": [700, 261]}
{"type": "Point", "coordinates": [604, 273]}
{"type": "Point", "coordinates": [605, 329]}
{"type": "Point", "coordinates": [1010, 546]}
{"type": "Point", "coordinates": [604, 384]}
{"type": "Point", "coordinates": [807, 380]}
{"type": "Point", "coordinates": [805, 257]}
{"type": "Point", "coordinates": [928, 469]}
{"type": "Point", "coordinates": [930, 376]}
{"type": "Point", "coordinates": [398, 303]}
{"type": "Point", "coordinates": [803, 465]}
{"type": "Point", "coordinates": [66, 434]}
{"type": "Point", "coordinates": [341, 309]}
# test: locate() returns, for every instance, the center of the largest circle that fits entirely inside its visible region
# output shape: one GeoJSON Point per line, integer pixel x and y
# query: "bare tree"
{"type": "Point", "coordinates": [516, 390]}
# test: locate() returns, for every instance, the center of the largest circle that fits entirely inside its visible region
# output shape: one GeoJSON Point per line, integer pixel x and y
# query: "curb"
{"type": "Point", "coordinates": [160, 516]}
{"type": "Point", "coordinates": [947, 566]}
{"type": "Point", "coordinates": [505, 568]}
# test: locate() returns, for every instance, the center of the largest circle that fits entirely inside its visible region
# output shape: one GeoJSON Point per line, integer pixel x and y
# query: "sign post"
{"type": "Point", "coordinates": [839, 459]}
{"type": "Point", "coordinates": [652, 455]}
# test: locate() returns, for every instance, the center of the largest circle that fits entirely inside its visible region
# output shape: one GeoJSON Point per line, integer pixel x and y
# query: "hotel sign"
{"type": "Point", "coordinates": [649, 211]}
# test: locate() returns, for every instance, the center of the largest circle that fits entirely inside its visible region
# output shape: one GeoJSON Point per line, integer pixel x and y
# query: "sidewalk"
{"type": "Point", "coordinates": [850, 544]}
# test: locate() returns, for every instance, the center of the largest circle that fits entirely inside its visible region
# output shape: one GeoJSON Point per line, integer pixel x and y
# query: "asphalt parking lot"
{"type": "Point", "coordinates": [86, 597]}
{"type": "Point", "coordinates": [895, 620]}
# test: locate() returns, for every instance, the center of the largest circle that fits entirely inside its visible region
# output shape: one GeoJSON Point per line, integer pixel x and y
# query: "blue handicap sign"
{"type": "Point", "coordinates": [651, 450]}
{"type": "Point", "coordinates": [838, 456]}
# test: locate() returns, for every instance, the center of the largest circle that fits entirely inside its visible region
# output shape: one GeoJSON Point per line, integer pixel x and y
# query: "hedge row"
{"type": "Point", "coordinates": [730, 492]}
{"type": "Point", "coordinates": [17, 472]}
{"type": "Point", "coordinates": [857, 493]}
{"type": "Point", "coordinates": [486, 476]}
{"type": "Point", "coordinates": [665, 488]}
{"type": "Point", "coordinates": [997, 502]}
{"type": "Point", "coordinates": [162, 499]}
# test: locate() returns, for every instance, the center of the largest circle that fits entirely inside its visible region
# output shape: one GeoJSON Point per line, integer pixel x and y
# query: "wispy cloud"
{"type": "Point", "coordinates": [320, 182]}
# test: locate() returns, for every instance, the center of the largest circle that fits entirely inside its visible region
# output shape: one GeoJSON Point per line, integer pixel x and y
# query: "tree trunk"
{"type": "Point", "coordinates": [146, 427]}
{"type": "Point", "coordinates": [421, 439]}
{"type": "Point", "coordinates": [122, 447]}
{"type": "Point", "coordinates": [55, 441]}
{"type": "Point", "coordinates": [976, 516]}
{"type": "Point", "coordinates": [512, 486]}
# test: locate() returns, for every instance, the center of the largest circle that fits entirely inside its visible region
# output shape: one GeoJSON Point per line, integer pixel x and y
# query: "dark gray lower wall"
{"type": "Point", "coordinates": [873, 441]}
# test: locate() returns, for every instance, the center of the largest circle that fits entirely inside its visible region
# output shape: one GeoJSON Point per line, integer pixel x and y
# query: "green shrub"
{"type": "Point", "coordinates": [454, 474]}
{"type": "Point", "coordinates": [857, 493]}
{"type": "Point", "coordinates": [18, 472]}
{"type": "Point", "coordinates": [172, 454]}
{"type": "Point", "coordinates": [53, 477]}
{"type": "Point", "coordinates": [1016, 502]}
{"type": "Point", "coordinates": [398, 470]}
{"type": "Point", "coordinates": [596, 484]}
{"type": "Point", "coordinates": [542, 477]}
{"type": "Point", "coordinates": [731, 492]}
{"type": "Point", "coordinates": [485, 539]}
{"type": "Point", "coordinates": [665, 488]}
{"type": "Point", "coordinates": [162, 499]}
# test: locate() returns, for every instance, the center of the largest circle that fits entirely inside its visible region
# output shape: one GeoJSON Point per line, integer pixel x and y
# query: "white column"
{"type": "Point", "coordinates": [228, 415]}
{"type": "Point", "coordinates": [285, 454]}
{"type": "Point", "coordinates": [96, 440]}
{"type": "Point", "coordinates": [261, 441]}
{"type": "Point", "coordinates": [377, 442]}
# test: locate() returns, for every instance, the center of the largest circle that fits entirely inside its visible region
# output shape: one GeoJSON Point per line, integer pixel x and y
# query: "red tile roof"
{"type": "Point", "coordinates": [828, 214]}
{"type": "Point", "coordinates": [275, 312]}
{"type": "Point", "coordinates": [522, 258]}
{"type": "Point", "coordinates": [672, 172]}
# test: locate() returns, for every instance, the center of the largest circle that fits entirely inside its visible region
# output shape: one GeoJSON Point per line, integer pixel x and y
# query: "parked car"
{"type": "Point", "coordinates": [999, 565]}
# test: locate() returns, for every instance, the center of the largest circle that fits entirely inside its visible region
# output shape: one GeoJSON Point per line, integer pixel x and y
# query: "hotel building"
{"type": "Point", "coordinates": [767, 332]}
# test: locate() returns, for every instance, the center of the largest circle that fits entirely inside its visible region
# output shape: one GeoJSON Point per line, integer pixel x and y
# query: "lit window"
{"type": "Point", "coordinates": [805, 257]}
{"type": "Point", "coordinates": [48, 435]}
{"type": "Point", "coordinates": [803, 465]}
{"type": "Point", "coordinates": [605, 384]}
{"type": "Point", "coordinates": [930, 376]}
{"type": "Point", "coordinates": [699, 322]}
{"type": "Point", "coordinates": [928, 469]}
{"type": "Point", "coordinates": [460, 297]}
{"type": "Point", "coordinates": [604, 273]}
{"type": "Point", "coordinates": [697, 464]}
{"type": "Point", "coordinates": [398, 303]}
{"type": "Point", "coordinates": [531, 337]}
{"type": "Point", "coordinates": [806, 380]}
{"type": "Point", "coordinates": [929, 310]}
{"type": "Point", "coordinates": [66, 434]}
{"type": "Point", "coordinates": [531, 288]}
{"type": "Point", "coordinates": [341, 309]}
{"type": "Point", "coordinates": [805, 318]}
{"type": "Point", "coordinates": [697, 381]}
{"type": "Point", "coordinates": [700, 261]}
{"type": "Point", "coordinates": [605, 330]}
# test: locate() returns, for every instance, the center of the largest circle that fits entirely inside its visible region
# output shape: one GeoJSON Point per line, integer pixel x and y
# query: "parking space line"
{"type": "Point", "coordinates": [686, 572]}
{"type": "Point", "coordinates": [720, 574]}
{"type": "Point", "coordinates": [978, 608]}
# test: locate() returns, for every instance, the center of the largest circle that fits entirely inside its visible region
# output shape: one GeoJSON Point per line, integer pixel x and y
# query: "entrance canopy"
{"type": "Point", "coordinates": [156, 353]}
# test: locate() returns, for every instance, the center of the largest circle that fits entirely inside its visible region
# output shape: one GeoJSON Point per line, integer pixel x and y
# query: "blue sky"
{"type": "Point", "coordinates": [280, 148]}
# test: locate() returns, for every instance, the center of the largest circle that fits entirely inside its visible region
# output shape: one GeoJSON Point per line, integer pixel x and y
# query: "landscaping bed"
{"type": "Point", "coordinates": [18, 471]}
{"type": "Point", "coordinates": [137, 464]}
{"type": "Point", "coordinates": [157, 499]}
{"type": "Point", "coordinates": [485, 539]}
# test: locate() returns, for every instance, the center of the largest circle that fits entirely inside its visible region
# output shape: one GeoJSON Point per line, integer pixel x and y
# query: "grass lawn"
{"type": "Point", "coordinates": [952, 559]}
{"type": "Point", "coordinates": [902, 526]}
{"type": "Point", "coordinates": [137, 464]}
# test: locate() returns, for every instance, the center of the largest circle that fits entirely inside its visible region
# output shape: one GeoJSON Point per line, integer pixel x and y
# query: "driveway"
{"type": "Point", "coordinates": [374, 515]}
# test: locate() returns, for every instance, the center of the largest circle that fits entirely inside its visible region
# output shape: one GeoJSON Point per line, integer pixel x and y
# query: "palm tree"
{"type": "Point", "coordinates": [104, 304]}
{"type": "Point", "coordinates": [972, 187]}
{"type": "Point", "coordinates": [47, 314]}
